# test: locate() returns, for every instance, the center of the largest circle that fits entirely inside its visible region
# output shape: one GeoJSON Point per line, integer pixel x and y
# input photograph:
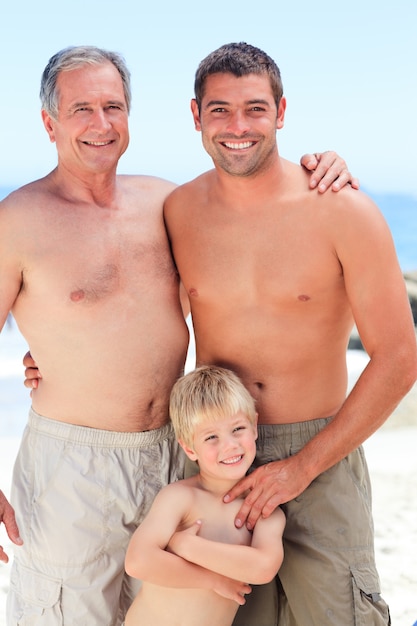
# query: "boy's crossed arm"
{"type": "Point", "coordinates": [147, 558]}
{"type": "Point", "coordinates": [257, 564]}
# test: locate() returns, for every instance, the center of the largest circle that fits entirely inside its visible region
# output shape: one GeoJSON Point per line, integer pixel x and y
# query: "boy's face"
{"type": "Point", "coordinates": [225, 448]}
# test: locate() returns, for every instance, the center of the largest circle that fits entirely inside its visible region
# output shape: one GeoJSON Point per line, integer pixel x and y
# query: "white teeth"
{"type": "Point", "coordinates": [98, 143]}
{"type": "Point", "coordinates": [239, 146]}
{"type": "Point", "coordinates": [234, 459]}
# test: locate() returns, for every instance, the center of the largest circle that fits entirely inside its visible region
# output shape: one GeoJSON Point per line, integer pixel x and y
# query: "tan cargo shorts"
{"type": "Point", "coordinates": [79, 493]}
{"type": "Point", "coordinates": [328, 577]}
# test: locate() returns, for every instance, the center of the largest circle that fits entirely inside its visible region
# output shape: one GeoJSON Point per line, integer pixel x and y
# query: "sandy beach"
{"type": "Point", "coordinates": [392, 460]}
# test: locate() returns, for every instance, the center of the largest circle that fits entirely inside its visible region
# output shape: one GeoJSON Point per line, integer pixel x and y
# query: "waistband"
{"type": "Point", "coordinates": [84, 435]}
{"type": "Point", "coordinates": [296, 430]}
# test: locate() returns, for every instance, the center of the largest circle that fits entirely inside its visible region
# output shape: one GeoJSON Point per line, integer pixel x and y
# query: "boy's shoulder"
{"type": "Point", "coordinates": [178, 488]}
{"type": "Point", "coordinates": [274, 523]}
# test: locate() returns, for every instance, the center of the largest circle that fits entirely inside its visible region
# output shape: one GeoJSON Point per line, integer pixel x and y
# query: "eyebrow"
{"type": "Point", "coordinates": [85, 103]}
{"type": "Point", "coordinates": [225, 102]}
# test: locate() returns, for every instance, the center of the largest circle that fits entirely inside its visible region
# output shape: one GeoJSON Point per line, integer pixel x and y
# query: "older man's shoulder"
{"type": "Point", "coordinates": [148, 184]}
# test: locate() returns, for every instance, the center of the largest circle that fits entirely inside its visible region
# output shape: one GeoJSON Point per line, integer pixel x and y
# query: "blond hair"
{"type": "Point", "coordinates": [208, 393]}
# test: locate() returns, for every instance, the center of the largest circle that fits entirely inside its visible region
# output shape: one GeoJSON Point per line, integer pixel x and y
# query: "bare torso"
{"type": "Point", "coordinates": [97, 303]}
{"type": "Point", "coordinates": [267, 292]}
{"type": "Point", "coordinates": [163, 606]}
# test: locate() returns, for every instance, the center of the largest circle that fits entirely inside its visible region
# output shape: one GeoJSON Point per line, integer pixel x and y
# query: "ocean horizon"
{"type": "Point", "coordinates": [400, 211]}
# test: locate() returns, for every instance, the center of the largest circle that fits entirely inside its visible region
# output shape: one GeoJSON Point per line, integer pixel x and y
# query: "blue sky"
{"type": "Point", "coordinates": [349, 73]}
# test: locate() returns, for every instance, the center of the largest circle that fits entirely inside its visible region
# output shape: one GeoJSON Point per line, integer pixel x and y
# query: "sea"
{"type": "Point", "coordinates": [400, 211]}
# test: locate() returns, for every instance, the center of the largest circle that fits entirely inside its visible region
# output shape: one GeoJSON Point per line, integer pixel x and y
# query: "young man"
{"type": "Point", "coordinates": [214, 419]}
{"type": "Point", "coordinates": [86, 268]}
{"type": "Point", "coordinates": [276, 277]}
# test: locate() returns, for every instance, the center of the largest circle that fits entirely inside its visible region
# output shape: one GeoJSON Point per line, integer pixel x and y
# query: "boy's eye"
{"type": "Point", "coordinates": [210, 437]}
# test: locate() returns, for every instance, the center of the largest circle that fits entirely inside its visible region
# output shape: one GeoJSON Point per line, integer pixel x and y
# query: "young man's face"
{"type": "Point", "coordinates": [224, 448]}
{"type": "Point", "coordinates": [91, 132]}
{"type": "Point", "coordinates": [238, 120]}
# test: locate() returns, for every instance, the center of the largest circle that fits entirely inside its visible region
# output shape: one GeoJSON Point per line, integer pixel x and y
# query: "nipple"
{"type": "Point", "coordinates": [78, 295]}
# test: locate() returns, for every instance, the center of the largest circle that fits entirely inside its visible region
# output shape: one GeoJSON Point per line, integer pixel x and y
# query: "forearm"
{"type": "Point", "coordinates": [169, 570]}
{"type": "Point", "coordinates": [246, 563]}
{"type": "Point", "coordinates": [379, 389]}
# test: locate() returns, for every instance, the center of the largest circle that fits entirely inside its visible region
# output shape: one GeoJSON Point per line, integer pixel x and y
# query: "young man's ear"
{"type": "Point", "coordinates": [281, 113]}
{"type": "Point", "coordinates": [196, 114]}
{"type": "Point", "coordinates": [188, 451]}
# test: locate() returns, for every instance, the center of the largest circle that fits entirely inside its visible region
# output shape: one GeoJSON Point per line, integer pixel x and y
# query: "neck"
{"type": "Point", "coordinates": [217, 487]}
{"type": "Point", "coordinates": [98, 189]}
{"type": "Point", "coordinates": [242, 191]}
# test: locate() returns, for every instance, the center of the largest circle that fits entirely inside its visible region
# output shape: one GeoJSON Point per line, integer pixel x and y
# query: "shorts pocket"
{"type": "Point", "coordinates": [369, 607]}
{"type": "Point", "coordinates": [34, 598]}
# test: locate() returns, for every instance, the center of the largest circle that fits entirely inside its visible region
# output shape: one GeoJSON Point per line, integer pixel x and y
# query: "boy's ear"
{"type": "Point", "coordinates": [188, 451]}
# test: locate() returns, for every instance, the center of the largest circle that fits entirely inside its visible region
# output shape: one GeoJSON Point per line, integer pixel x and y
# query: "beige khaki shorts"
{"type": "Point", "coordinates": [79, 493]}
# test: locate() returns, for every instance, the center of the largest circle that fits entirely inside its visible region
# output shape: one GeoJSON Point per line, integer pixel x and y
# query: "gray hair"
{"type": "Point", "coordinates": [72, 58]}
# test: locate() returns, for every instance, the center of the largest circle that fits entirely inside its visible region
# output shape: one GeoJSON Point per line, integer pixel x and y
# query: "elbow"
{"type": "Point", "coordinates": [266, 571]}
{"type": "Point", "coordinates": [403, 366]}
{"type": "Point", "coordinates": [410, 369]}
{"type": "Point", "coordinates": [130, 568]}
{"type": "Point", "coordinates": [134, 566]}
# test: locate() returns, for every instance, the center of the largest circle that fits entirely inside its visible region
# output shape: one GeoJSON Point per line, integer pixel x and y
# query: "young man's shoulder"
{"type": "Point", "coordinates": [190, 189]}
{"type": "Point", "coordinates": [350, 205]}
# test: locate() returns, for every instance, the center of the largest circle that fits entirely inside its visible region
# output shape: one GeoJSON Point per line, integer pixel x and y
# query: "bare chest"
{"type": "Point", "coordinates": [271, 260]}
{"type": "Point", "coordinates": [217, 520]}
{"type": "Point", "coordinates": [88, 262]}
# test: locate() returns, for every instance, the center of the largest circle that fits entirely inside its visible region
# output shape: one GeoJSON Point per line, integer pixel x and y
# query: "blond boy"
{"type": "Point", "coordinates": [189, 528]}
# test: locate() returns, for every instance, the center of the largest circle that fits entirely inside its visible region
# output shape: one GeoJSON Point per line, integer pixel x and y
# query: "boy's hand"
{"type": "Point", "coordinates": [178, 538]}
{"type": "Point", "coordinates": [231, 589]}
